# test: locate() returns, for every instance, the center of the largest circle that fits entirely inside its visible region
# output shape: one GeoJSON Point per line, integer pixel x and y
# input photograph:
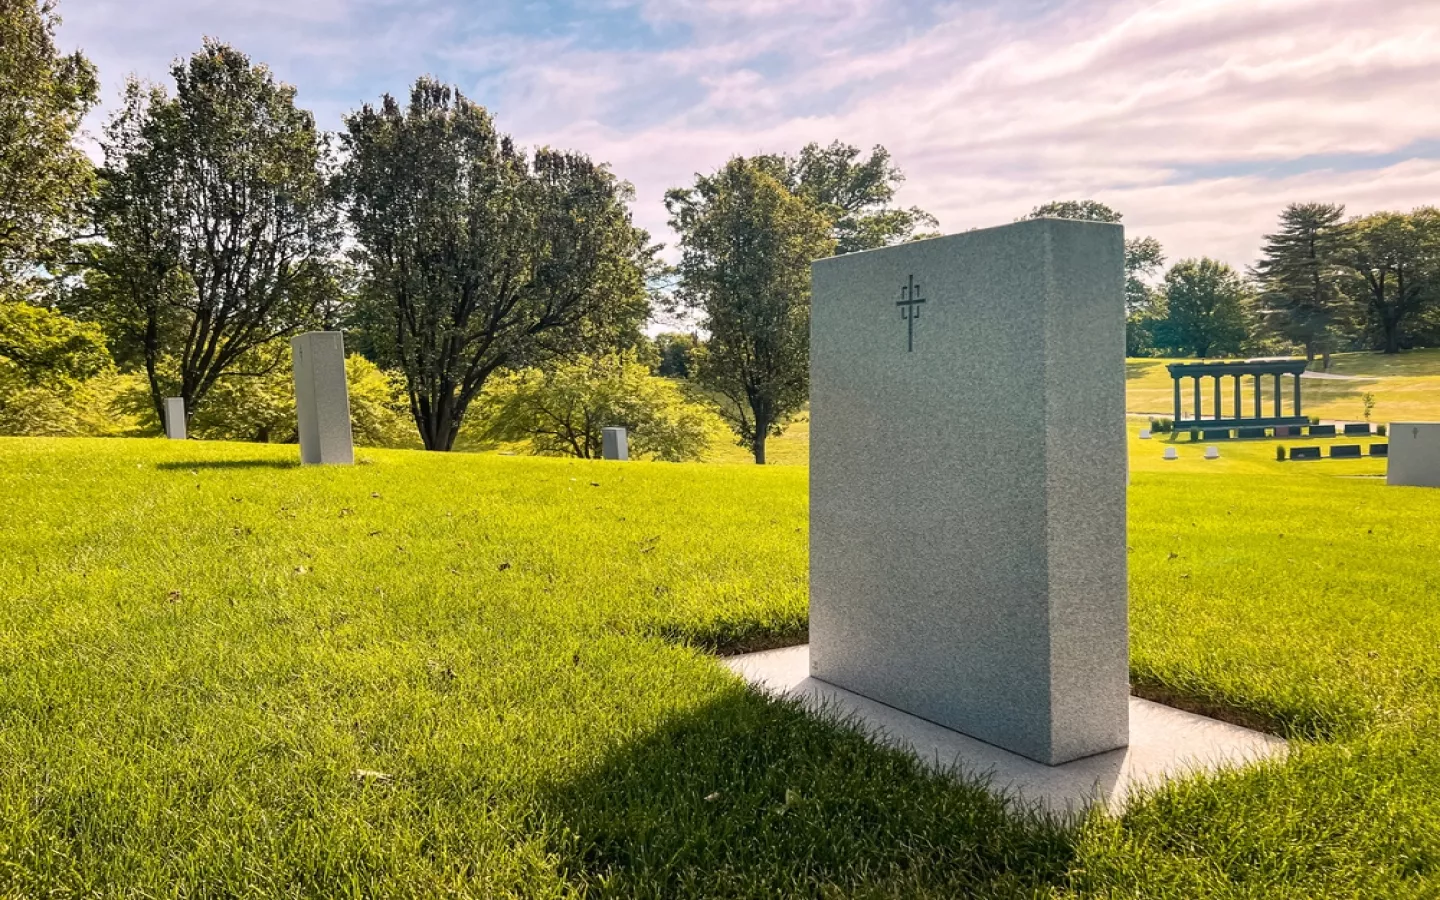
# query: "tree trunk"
{"type": "Point", "coordinates": [762, 432]}
{"type": "Point", "coordinates": [760, 449]}
{"type": "Point", "coordinates": [1392, 338]}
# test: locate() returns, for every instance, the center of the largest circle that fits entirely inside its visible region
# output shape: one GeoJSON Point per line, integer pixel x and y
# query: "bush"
{"type": "Point", "coordinates": [561, 411]}
{"type": "Point", "coordinates": [1382, 430]}
{"type": "Point", "coordinates": [1161, 425]}
{"type": "Point", "coordinates": [1280, 453]}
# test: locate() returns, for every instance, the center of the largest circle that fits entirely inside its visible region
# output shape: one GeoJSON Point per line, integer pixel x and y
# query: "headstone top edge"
{"type": "Point", "coordinates": [1045, 221]}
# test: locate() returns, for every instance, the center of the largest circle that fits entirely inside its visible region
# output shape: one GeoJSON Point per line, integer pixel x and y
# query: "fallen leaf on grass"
{"type": "Point", "coordinates": [372, 775]}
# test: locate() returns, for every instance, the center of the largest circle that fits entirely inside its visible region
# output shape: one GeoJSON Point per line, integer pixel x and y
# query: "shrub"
{"type": "Point", "coordinates": [1382, 430]}
{"type": "Point", "coordinates": [1280, 453]}
{"type": "Point", "coordinates": [1161, 425]}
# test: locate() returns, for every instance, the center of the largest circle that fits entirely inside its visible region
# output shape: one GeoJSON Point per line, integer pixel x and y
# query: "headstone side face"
{"type": "Point", "coordinates": [175, 418]}
{"type": "Point", "coordinates": [322, 398]}
{"type": "Point", "coordinates": [968, 486]}
{"type": "Point", "coordinates": [614, 444]}
{"type": "Point", "coordinates": [1414, 454]}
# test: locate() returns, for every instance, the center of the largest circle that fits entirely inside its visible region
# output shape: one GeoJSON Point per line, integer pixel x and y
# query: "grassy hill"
{"type": "Point", "coordinates": [477, 676]}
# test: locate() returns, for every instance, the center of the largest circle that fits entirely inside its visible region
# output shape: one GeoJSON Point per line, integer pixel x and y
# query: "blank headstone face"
{"type": "Point", "coordinates": [614, 444]}
{"type": "Point", "coordinates": [322, 398]}
{"type": "Point", "coordinates": [175, 418]}
{"type": "Point", "coordinates": [1212, 452]}
{"type": "Point", "coordinates": [967, 485]}
{"type": "Point", "coordinates": [1414, 454]}
{"type": "Point", "coordinates": [1172, 453]}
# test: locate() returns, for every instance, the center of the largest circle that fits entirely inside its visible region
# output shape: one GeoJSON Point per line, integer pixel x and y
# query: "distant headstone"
{"type": "Point", "coordinates": [1305, 453]}
{"type": "Point", "coordinates": [1380, 450]}
{"type": "Point", "coordinates": [1144, 434]}
{"type": "Point", "coordinates": [1322, 430]}
{"type": "Point", "coordinates": [1358, 428]}
{"type": "Point", "coordinates": [175, 418]}
{"type": "Point", "coordinates": [614, 444]}
{"type": "Point", "coordinates": [322, 398]}
{"type": "Point", "coordinates": [1414, 454]}
{"type": "Point", "coordinates": [1251, 432]}
{"type": "Point", "coordinates": [967, 483]}
{"type": "Point", "coordinates": [1345, 451]}
{"type": "Point", "coordinates": [1214, 434]}
{"type": "Point", "coordinates": [1212, 452]}
{"type": "Point", "coordinates": [1172, 453]}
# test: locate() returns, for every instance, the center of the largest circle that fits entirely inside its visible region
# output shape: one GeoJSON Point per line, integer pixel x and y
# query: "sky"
{"type": "Point", "coordinates": [1197, 119]}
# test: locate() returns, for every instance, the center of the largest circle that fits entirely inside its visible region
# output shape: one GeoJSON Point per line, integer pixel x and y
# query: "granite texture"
{"type": "Point", "coordinates": [175, 418]}
{"type": "Point", "coordinates": [1414, 454]}
{"type": "Point", "coordinates": [967, 496]}
{"type": "Point", "coordinates": [614, 444]}
{"type": "Point", "coordinates": [322, 398]}
{"type": "Point", "coordinates": [1165, 743]}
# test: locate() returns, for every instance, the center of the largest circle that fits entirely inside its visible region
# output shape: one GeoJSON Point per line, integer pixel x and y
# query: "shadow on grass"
{"type": "Point", "coordinates": [747, 797]}
{"type": "Point", "coordinates": [232, 464]}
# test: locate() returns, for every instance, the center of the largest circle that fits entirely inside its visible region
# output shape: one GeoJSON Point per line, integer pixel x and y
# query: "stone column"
{"type": "Point", "coordinates": [1175, 380]}
{"type": "Point", "coordinates": [1297, 394]}
{"type": "Point", "coordinates": [322, 398]}
{"type": "Point", "coordinates": [175, 418]}
{"type": "Point", "coordinates": [1259, 406]}
{"type": "Point", "coordinates": [1239, 406]}
{"type": "Point", "coordinates": [1195, 413]}
{"type": "Point", "coordinates": [1277, 395]}
{"type": "Point", "coordinates": [614, 445]}
{"type": "Point", "coordinates": [1219, 402]}
{"type": "Point", "coordinates": [991, 605]}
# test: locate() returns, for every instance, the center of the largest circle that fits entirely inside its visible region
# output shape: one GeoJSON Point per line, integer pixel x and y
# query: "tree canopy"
{"type": "Point", "coordinates": [1395, 261]}
{"type": "Point", "coordinates": [1299, 274]}
{"type": "Point", "coordinates": [1205, 303]}
{"type": "Point", "coordinates": [44, 176]}
{"type": "Point", "coordinates": [476, 258]}
{"type": "Point", "coordinates": [747, 243]}
{"type": "Point", "coordinates": [217, 222]}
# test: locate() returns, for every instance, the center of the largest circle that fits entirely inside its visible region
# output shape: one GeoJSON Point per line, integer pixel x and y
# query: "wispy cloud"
{"type": "Point", "coordinates": [1198, 119]}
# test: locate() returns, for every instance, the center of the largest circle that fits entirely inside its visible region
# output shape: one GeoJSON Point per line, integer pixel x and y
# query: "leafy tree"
{"type": "Point", "coordinates": [1396, 262]}
{"type": "Point", "coordinates": [45, 360]}
{"type": "Point", "coordinates": [1205, 303]}
{"type": "Point", "coordinates": [747, 243]}
{"type": "Point", "coordinates": [676, 352]}
{"type": "Point", "coordinates": [1299, 274]}
{"type": "Point", "coordinates": [1143, 258]}
{"type": "Point", "coordinates": [218, 228]}
{"type": "Point", "coordinates": [563, 409]}
{"type": "Point", "coordinates": [44, 176]}
{"type": "Point", "coordinates": [854, 194]}
{"type": "Point", "coordinates": [478, 259]}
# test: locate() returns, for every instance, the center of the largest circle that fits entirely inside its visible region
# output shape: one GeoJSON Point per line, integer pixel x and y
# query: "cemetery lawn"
{"type": "Point", "coordinates": [479, 676]}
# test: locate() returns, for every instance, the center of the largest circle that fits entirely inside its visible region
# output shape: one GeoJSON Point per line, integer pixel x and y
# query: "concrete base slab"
{"type": "Point", "coordinates": [1164, 742]}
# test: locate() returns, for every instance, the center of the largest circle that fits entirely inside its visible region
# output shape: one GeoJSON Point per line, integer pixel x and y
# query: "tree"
{"type": "Point", "coordinates": [1205, 303]}
{"type": "Point", "coordinates": [563, 410]}
{"type": "Point", "coordinates": [45, 358]}
{"type": "Point", "coordinates": [747, 244]}
{"type": "Point", "coordinates": [676, 352]}
{"type": "Point", "coordinates": [476, 258]}
{"type": "Point", "coordinates": [218, 227]}
{"type": "Point", "coordinates": [1143, 258]}
{"type": "Point", "coordinates": [853, 194]}
{"type": "Point", "coordinates": [1396, 262]}
{"type": "Point", "coordinates": [44, 176]}
{"type": "Point", "coordinates": [1299, 275]}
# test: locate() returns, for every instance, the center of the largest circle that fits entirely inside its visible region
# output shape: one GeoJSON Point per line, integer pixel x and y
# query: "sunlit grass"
{"type": "Point", "coordinates": [471, 675]}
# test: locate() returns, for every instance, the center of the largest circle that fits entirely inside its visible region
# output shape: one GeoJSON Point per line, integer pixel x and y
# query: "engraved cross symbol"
{"type": "Point", "coordinates": [909, 304]}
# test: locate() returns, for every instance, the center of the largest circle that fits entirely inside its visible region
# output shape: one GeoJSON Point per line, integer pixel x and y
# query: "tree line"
{"type": "Point", "coordinates": [494, 294]}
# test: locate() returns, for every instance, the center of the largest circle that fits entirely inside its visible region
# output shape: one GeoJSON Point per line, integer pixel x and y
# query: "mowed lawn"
{"type": "Point", "coordinates": [222, 675]}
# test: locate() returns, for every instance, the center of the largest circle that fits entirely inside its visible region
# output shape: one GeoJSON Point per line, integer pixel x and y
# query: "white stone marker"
{"type": "Point", "coordinates": [613, 444]}
{"type": "Point", "coordinates": [967, 483]}
{"type": "Point", "coordinates": [1414, 456]}
{"type": "Point", "coordinates": [1172, 453]}
{"type": "Point", "coordinates": [1144, 434]}
{"type": "Point", "coordinates": [175, 418]}
{"type": "Point", "coordinates": [322, 398]}
{"type": "Point", "coordinates": [1212, 452]}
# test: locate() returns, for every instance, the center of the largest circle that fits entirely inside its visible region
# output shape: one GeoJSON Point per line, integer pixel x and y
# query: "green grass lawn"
{"type": "Point", "coordinates": [222, 675]}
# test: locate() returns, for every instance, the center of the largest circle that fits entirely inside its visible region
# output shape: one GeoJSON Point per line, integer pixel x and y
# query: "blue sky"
{"type": "Point", "coordinates": [1198, 119]}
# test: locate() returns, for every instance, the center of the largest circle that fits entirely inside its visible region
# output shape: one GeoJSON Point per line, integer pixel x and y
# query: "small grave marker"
{"type": "Point", "coordinates": [175, 418]}
{"type": "Point", "coordinates": [614, 444]}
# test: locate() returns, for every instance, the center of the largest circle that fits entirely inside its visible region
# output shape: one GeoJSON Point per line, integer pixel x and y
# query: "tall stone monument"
{"type": "Point", "coordinates": [967, 483]}
{"type": "Point", "coordinates": [175, 418]}
{"type": "Point", "coordinates": [1414, 454]}
{"type": "Point", "coordinates": [322, 398]}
